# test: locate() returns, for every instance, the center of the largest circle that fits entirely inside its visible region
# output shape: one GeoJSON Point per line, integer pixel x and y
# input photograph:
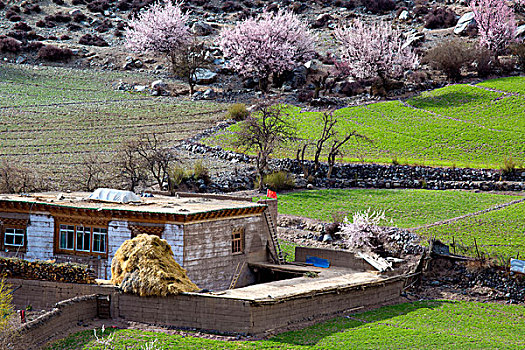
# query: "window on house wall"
{"type": "Point", "coordinates": [14, 237]}
{"type": "Point", "coordinates": [238, 240]}
{"type": "Point", "coordinates": [99, 239]}
{"type": "Point", "coordinates": [82, 239]}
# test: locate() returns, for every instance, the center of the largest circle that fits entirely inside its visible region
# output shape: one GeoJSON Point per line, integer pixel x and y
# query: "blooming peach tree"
{"type": "Point", "coordinates": [161, 28]}
{"type": "Point", "coordinates": [496, 24]}
{"type": "Point", "coordinates": [373, 50]}
{"type": "Point", "coordinates": [271, 43]}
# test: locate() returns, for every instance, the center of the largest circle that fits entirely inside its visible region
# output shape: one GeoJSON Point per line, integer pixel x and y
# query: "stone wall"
{"type": "Point", "coordinates": [208, 256]}
{"type": "Point", "coordinates": [55, 323]}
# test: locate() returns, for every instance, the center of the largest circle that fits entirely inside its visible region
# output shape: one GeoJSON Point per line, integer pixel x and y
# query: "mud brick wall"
{"type": "Point", "coordinates": [336, 258]}
{"type": "Point", "coordinates": [203, 312]}
{"type": "Point", "coordinates": [208, 256]}
{"type": "Point", "coordinates": [43, 295]}
{"type": "Point", "coordinates": [62, 317]}
{"type": "Point", "coordinates": [306, 309]}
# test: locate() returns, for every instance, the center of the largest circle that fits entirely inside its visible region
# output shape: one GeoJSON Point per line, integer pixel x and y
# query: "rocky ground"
{"type": "Point", "coordinates": [444, 277]}
{"type": "Point", "coordinates": [94, 31]}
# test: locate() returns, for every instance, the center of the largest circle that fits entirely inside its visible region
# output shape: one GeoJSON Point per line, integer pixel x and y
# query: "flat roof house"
{"type": "Point", "coordinates": [211, 237]}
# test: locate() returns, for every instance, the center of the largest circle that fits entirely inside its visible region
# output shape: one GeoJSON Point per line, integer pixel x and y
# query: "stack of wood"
{"type": "Point", "coordinates": [46, 271]}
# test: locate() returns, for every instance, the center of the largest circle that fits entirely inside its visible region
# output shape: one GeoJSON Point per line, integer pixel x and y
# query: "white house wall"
{"type": "Point", "coordinates": [118, 232]}
{"type": "Point", "coordinates": [39, 233]}
{"type": "Point", "coordinates": [174, 235]}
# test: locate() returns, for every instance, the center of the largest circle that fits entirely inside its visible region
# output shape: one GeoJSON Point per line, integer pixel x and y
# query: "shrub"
{"type": "Point", "coordinates": [201, 172]}
{"type": "Point", "coordinates": [54, 53]}
{"type": "Point", "coordinates": [508, 166]}
{"type": "Point", "coordinates": [379, 6]}
{"type": "Point", "coordinates": [78, 2]}
{"type": "Point", "coordinates": [450, 57]}
{"type": "Point", "coordinates": [440, 17]}
{"type": "Point", "coordinates": [93, 40]}
{"type": "Point", "coordinates": [177, 175]}
{"type": "Point", "coordinates": [8, 44]}
{"type": "Point", "coordinates": [98, 6]}
{"type": "Point", "coordinates": [22, 26]}
{"type": "Point", "coordinates": [280, 180]}
{"type": "Point", "coordinates": [484, 61]}
{"type": "Point", "coordinates": [518, 50]}
{"type": "Point", "coordinates": [58, 17]}
{"type": "Point", "coordinates": [237, 112]}
{"type": "Point", "coordinates": [79, 17]}
{"type": "Point", "coordinates": [13, 16]}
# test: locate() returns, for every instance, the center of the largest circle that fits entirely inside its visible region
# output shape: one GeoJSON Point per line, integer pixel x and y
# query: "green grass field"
{"type": "Point", "coordinates": [406, 208]}
{"type": "Point", "coordinates": [459, 125]}
{"type": "Point", "coordinates": [497, 233]}
{"type": "Point", "coordinates": [54, 117]}
{"type": "Point", "coordinates": [418, 325]}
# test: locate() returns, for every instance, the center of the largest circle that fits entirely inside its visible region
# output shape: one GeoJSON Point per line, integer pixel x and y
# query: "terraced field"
{"type": "Point", "coordinates": [459, 125]}
{"type": "Point", "coordinates": [498, 233]}
{"type": "Point", "coordinates": [406, 208]}
{"type": "Point", "coordinates": [52, 117]}
{"type": "Point", "coordinates": [419, 325]}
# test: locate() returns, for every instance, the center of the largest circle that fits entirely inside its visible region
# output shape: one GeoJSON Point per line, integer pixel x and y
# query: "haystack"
{"type": "Point", "coordinates": [145, 265]}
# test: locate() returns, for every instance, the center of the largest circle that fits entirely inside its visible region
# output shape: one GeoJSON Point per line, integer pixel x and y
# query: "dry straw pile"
{"type": "Point", "coordinates": [145, 265]}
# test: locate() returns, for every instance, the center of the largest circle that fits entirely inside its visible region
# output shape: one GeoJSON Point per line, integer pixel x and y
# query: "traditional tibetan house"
{"type": "Point", "coordinates": [212, 237]}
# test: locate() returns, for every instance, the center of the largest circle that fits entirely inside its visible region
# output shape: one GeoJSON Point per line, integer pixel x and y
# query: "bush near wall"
{"type": "Point", "coordinates": [47, 271]}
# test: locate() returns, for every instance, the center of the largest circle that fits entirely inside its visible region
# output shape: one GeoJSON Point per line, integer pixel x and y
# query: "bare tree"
{"type": "Point", "coordinates": [328, 121]}
{"type": "Point", "coordinates": [262, 132]}
{"type": "Point", "coordinates": [187, 60]}
{"type": "Point", "coordinates": [157, 157]}
{"type": "Point", "coordinates": [335, 149]}
{"type": "Point", "coordinates": [131, 164]}
{"type": "Point", "coordinates": [143, 156]}
{"type": "Point", "coordinates": [16, 178]}
{"type": "Point", "coordinates": [92, 173]}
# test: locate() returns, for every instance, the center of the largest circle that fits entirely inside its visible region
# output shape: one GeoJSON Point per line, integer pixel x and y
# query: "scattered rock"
{"type": "Point", "coordinates": [202, 28]}
{"type": "Point", "coordinates": [205, 76]}
{"type": "Point", "coordinates": [464, 22]}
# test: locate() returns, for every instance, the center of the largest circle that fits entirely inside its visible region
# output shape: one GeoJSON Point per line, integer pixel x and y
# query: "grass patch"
{"type": "Point", "coordinates": [52, 117]}
{"type": "Point", "coordinates": [407, 208]}
{"type": "Point", "coordinates": [418, 325]}
{"type": "Point", "coordinates": [288, 249]}
{"type": "Point", "coordinates": [497, 233]}
{"type": "Point", "coordinates": [459, 125]}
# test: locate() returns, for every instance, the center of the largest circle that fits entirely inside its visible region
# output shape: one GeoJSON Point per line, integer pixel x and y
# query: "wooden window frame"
{"type": "Point", "coordinates": [75, 251]}
{"type": "Point", "coordinates": [14, 248]}
{"type": "Point", "coordinates": [237, 237]}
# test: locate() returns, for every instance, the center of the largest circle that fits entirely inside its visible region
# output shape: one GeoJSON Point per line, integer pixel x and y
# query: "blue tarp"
{"type": "Point", "coordinates": [317, 262]}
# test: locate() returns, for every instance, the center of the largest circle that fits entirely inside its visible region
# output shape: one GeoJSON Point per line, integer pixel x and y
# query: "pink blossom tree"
{"type": "Point", "coordinates": [373, 50]}
{"type": "Point", "coordinates": [162, 28]}
{"type": "Point", "coordinates": [496, 24]}
{"type": "Point", "coordinates": [272, 43]}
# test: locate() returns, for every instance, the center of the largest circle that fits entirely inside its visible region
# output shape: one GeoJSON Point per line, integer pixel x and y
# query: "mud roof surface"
{"type": "Point", "coordinates": [156, 204]}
